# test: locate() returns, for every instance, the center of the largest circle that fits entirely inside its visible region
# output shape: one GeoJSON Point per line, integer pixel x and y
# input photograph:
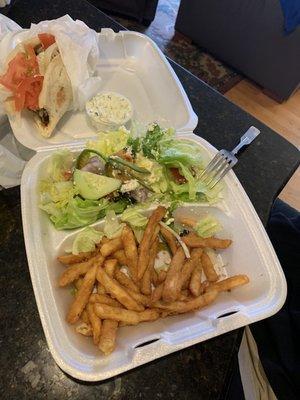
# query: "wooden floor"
{"type": "Point", "coordinates": [283, 118]}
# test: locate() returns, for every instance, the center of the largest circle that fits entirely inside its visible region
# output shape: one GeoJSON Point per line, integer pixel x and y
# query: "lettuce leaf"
{"type": "Point", "coordinates": [59, 193]}
{"type": "Point", "coordinates": [150, 144]}
{"type": "Point", "coordinates": [118, 206]}
{"type": "Point", "coordinates": [109, 143]}
{"type": "Point", "coordinates": [59, 164]}
{"type": "Point", "coordinates": [208, 226]}
{"type": "Point", "coordinates": [157, 180]}
{"type": "Point", "coordinates": [134, 216]}
{"type": "Point", "coordinates": [112, 228]}
{"type": "Point", "coordinates": [195, 191]}
{"type": "Point", "coordinates": [181, 152]}
{"type": "Point", "coordinates": [86, 240]}
{"type": "Point", "coordinates": [77, 213]}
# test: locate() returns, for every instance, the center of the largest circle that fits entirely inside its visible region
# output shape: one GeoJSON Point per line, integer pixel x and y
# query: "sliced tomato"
{"type": "Point", "coordinates": [31, 60]}
{"type": "Point", "coordinates": [22, 78]}
{"type": "Point", "coordinates": [17, 70]}
{"type": "Point", "coordinates": [19, 101]}
{"type": "Point", "coordinates": [28, 93]}
{"type": "Point", "coordinates": [178, 178]}
{"type": "Point", "coordinates": [46, 39]}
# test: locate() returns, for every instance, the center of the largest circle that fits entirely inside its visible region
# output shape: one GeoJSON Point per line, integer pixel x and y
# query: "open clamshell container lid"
{"type": "Point", "coordinates": [130, 64]}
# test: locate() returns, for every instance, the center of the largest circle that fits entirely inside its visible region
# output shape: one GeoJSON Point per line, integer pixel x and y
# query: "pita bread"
{"type": "Point", "coordinates": [56, 95]}
{"type": "Point", "coordinates": [55, 98]}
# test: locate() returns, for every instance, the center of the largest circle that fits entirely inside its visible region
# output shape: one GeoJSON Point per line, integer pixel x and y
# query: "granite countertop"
{"type": "Point", "coordinates": [199, 372]}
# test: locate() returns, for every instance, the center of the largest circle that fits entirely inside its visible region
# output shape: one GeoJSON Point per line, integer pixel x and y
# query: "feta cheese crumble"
{"type": "Point", "coordinates": [109, 110]}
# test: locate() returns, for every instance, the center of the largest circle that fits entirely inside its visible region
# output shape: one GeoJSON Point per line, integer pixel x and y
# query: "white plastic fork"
{"type": "Point", "coordinates": [224, 160]}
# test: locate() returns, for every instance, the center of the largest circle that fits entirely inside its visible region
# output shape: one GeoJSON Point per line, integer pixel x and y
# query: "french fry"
{"type": "Point", "coordinates": [148, 315]}
{"type": "Point", "coordinates": [84, 329]}
{"type": "Point", "coordinates": [227, 284]}
{"type": "Point", "coordinates": [193, 240]}
{"type": "Point", "coordinates": [78, 283]}
{"type": "Point", "coordinates": [116, 290]}
{"type": "Point", "coordinates": [166, 313]}
{"type": "Point", "coordinates": [188, 268]}
{"type": "Point", "coordinates": [100, 288]}
{"type": "Point", "coordinates": [104, 299]}
{"type": "Point", "coordinates": [116, 314]}
{"type": "Point", "coordinates": [69, 259]}
{"type": "Point", "coordinates": [95, 322]}
{"type": "Point", "coordinates": [139, 297]}
{"type": "Point", "coordinates": [184, 296]}
{"type": "Point", "coordinates": [161, 277]}
{"type": "Point", "coordinates": [171, 284]}
{"type": "Point", "coordinates": [208, 268]}
{"type": "Point", "coordinates": [121, 257]}
{"type": "Point", "coordinates": [155, 234]}
{"type": "Point", "coordinates": [125, 281]}
{"type": "Point", "coordinates": [107, 342]}
{"type": "Point", "coordinates": [186, 306]}
{"type": "Point", "coordinates": [128, 316]}
{"type": "Point", "coordinates": [195, 283]}
{"type": "Point", "coordinates": [130, 250]}
{"type": "Point", "coordinates": [157, 293]}
{"type": "Point", "coordinates": [146, 283]}
{"type": "Point", "coordinates": [146, 279]}
{"type": "Point", "coordinates": [84, 317]}
{"type": "Point", "coordinates": [153, 255]}
{"type": "Point", "coordinates": [111, 246]}
{"type": "Point", "coordinates": [154, 277]}
{"type": "Point", "coordinates": [76, 270]}
{"type": "Point", "coordinates": [104, 240]}
{"type": "Point", "coordinates": [143, 259]}
{"type": "Point", "coordinates": [83, 295]}
{"type": "Point", "coordinates": [110, 266]}
{"type": "Point", "coordinates": [187, 221]}
{"type": "Point", "coordinates": [170, 239]}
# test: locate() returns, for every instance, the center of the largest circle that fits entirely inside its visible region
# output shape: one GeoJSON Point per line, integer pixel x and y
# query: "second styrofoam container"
{"type": "Point", "coordinates": [130, 64]}
{"type": "Point", "coordinates": [251, 253]}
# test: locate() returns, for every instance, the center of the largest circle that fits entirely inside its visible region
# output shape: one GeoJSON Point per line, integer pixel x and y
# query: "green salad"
{"type": "Point", "coordinates": [123, 173]}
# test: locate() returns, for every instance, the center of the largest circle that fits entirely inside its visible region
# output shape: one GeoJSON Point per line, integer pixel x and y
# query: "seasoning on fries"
{"type": "Point", "coordinates": [106, 297]}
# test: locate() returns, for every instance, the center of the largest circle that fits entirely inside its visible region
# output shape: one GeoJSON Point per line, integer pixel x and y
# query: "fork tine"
{"type": "Point", "coordinates": [216, 171]}
{"type": "Point", "coordinates": [221, 175]}
{"type": "Point", "coordinates": [215, 162]}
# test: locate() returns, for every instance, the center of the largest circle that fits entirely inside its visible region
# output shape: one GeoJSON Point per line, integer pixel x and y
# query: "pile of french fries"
{"type": "Point", "coordinates": [107, 297]}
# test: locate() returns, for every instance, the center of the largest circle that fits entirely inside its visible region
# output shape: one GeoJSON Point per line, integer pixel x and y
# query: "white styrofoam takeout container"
{"type": "Point", "coordinates": [133, 66]}
{"type": "Point", "coordinates": [130, 64]}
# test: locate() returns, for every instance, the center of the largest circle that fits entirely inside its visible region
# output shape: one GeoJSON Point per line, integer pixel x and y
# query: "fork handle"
{"type": "Point", "coordinates": [247, 138]}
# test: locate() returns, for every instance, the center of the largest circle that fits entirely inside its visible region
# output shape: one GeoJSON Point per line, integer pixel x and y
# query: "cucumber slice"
{"type": "Point", "coordinates": [92, 186]}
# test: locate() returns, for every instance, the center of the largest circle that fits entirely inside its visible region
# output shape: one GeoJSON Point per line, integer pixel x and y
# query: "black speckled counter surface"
{"type": "Point", "coordinates": [28, 370]}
